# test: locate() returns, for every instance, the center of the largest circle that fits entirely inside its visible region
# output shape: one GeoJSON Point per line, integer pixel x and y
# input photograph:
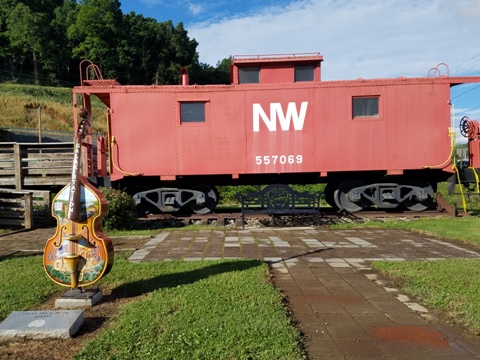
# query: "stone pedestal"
{"type": "Point", "coordinates": [78, 298]}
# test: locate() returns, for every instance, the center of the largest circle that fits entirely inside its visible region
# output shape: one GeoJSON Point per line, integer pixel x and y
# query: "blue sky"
{"type": "Point", "coordinates": [358, 38]}
{"type": "Point", "coordinates": [191, 12]}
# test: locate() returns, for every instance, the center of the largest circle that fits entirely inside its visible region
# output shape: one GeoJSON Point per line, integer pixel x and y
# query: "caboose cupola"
{"type": "Point", "coordinates": [271, 69]}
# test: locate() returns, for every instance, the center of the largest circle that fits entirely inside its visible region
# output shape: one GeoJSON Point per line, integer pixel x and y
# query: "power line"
{"type": "Point", "coordinates": [461, 112]}
{"type": "Point", "coordinates": [466, 65]}
{"type": "Point", "coordinates": [476, 87]}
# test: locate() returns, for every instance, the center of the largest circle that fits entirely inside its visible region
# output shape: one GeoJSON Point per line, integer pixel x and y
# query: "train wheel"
{"type": "Point", "coordinates": [329, 195]}
{"type": "Point", "coordinates": [211, 200]}
{"type": "Point", "coordinates": [144, 208]}
{"type": "Point", "coordinates": [416, 205]}
{"type": "Point", "coordinates": [342, 199]}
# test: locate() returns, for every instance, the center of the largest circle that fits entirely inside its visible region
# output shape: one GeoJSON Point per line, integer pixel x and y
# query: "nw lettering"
{"type": "Point", "coordinates": [276, 113]}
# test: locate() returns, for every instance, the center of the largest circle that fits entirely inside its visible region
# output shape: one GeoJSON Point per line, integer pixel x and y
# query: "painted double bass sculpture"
{"type": "Point", "coordinates": [79, 253]}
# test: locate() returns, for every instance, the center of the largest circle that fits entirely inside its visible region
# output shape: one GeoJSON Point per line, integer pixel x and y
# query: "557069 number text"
{"type": "Point", "coordinates": [278, 159]}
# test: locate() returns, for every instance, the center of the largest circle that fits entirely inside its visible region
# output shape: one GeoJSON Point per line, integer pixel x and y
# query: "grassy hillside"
{"type": "Point", "coordinates": [19, 108]}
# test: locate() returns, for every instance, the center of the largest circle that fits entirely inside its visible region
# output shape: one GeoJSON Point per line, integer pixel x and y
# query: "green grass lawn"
{"type": "Point", "coordinates": [191, 310]}
{"type": "Point", "coordinates": [452, 286]}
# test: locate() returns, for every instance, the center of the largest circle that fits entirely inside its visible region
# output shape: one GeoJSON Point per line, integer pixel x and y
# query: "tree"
{"type": "Point", "coordinates": [60, 62]}
{"type": "Point", "coordinates": [152, 52]}
{"type": "Point", "coordinates": [96, 32]}
{"type": "Point", "coordinates": [176, 50]}
{"type": "Point", "coordinates": [26, 32]}
{"type": "Point", "coordinates": [206, 74]}
{"type": "Point", "coordinates": [6, 53]}
{"type": "Point", "coordinates": [139, 49]}
{"type": "Point", "coordinates": [28, 37]}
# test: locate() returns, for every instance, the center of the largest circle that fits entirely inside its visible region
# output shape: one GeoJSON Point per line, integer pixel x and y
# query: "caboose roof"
{"type": "Point", "coordinates": [276, 58]}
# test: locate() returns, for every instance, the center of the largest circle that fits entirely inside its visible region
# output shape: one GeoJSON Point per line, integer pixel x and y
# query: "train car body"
{"type": "Point", "coordinates": [373, 141]}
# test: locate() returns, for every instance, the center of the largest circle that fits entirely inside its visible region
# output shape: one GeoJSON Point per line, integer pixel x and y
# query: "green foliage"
{"type": "Point", "coordinates": [228, 193]}
{"type": "Point", "coordinates": [96, 33]}
{"type": "Point", "coordinates": [121, 210]}
{"type": "Point", "coordinates": [206, 74]}
{"type": "Point", "coordinates": [310, 188]}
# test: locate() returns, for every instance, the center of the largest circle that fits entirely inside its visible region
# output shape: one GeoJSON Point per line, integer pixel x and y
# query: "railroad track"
{"type": "Point", "coordinates": [328, 216]}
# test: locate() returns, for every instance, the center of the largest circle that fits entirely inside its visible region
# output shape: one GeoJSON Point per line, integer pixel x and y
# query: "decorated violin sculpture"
{"type": "Point", "coordinates": [79, 253]}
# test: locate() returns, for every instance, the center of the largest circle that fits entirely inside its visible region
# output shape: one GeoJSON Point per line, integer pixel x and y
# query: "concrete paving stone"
{"type": "Point", "coordinates": [323, 271]}
{"type": "Point", "coordinates": [317, 332]}
{"type": "Point", "coordinates": [357, 279]}
{"type": "Point", "coordinates": [306, 283]}
{"type": "Point", "coordinates": [342, 290]}
{"type": "Point", "coordinates": [372, 291]}
{"type": "Point", "coordinates": [232, 245]}
{"type": "Point", "coordinates": [298, 299]}
{"type": "Point", "coordinates": [366, 349]}
{"type": "Point", "coordinates": [213, 254]}
{"type": "Point", "coordinates": [336, 319]}
{"type": "Point", "coordinates": [287, 279]}
{"type": "Point", "coordinates": [406, 318]}
{"type": "Point", "coordinates": [356, 304]}
{"type": "Point", "coordinates": [344, 269]}
{"type": "Point", "coordinates": [347, 332]}
{"type": "Point", "coordinates": [424, 349]}
{"type": "Point", "coordinates": [321, 299]}
{"type": "Point", "coordinates": [335, 282]}
{"type": "Point", "coordinates": [314, 290]}
{"type": "Point", "coordinates": [300, 271]}
{"type": "Point", "coordinates": [390, 307]}
{"type": "Point", "coordinates": [416, 307]}
{"type": "Point", "coordinates": [369, 320]}
{"type": "Point", "coordinates": [331, 307]}
{"type": "Point", "coordinates": [301, 308]}
{"type": "Point", "coordinates": [324, 349]}
{"type": "Point", "coordinates": [283, 275]}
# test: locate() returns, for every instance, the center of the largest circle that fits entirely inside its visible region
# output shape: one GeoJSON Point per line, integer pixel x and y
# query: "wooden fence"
{"type": "Point", "coordinates": [35, 164]}
{"type": "Point", "coordinates": [24, 208]}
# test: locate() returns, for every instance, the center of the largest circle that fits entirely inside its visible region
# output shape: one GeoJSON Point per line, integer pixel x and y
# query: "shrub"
{"type": "Point", "coordinates": [122, 213]}
{"type": "Point", "coordinates": [228, 193]}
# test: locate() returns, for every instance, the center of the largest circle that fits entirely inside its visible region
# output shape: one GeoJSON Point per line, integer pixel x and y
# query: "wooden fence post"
{"type": "Point", "coordinates": [17, 156]}
{"type": "Point", "coordinates": [28, 210]}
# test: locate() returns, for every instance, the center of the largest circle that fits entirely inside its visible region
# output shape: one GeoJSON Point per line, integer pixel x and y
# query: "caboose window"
{"type": "Point", "coordinates": [365, 107]}
{"type": "Point", "coordinates": [304, 72]}
{"type": "Point", "coordinates": [192, 112]}
{"type": "Point", "coordinates": [249, 75]}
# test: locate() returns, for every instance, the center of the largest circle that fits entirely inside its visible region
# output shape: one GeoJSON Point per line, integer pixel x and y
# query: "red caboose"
{"type": "Point", "coordinates": [384, 142]}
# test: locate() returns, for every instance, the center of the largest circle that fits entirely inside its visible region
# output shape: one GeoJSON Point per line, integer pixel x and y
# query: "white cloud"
{"type": "Point", "coordinates": [358, 38]}
{"type": "Point", "coordinates": [196, 9]}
